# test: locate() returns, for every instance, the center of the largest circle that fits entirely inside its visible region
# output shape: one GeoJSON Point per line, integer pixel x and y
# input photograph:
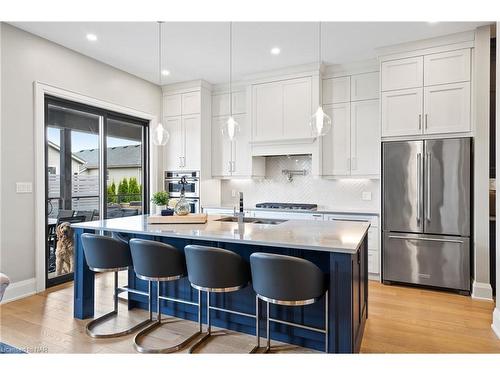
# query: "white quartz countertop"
{"type": "Point", "coordinates": [331, 236]}
{"type": "Point", "coordinates": [345, 210]}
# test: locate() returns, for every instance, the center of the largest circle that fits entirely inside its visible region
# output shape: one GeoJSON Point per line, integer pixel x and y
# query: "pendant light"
{"type": "Point", "coordinates": [230, 128]}
{"type": "Point", "coordinates": [160, 134]}
{"type": "Point", "coordinates": [320, 122]}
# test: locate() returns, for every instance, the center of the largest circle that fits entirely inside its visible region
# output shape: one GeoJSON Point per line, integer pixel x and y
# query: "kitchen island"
{"type": "Point", "coordinates": [339, 248]}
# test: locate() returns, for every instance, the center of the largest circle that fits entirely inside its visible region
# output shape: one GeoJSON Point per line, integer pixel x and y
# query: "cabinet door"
{"type": "Point", "coordinates": [221, 149]}
{"type": "Point", "coordinates": [267, 103]}
{"type": "Point", "coordinates": [174, 149]}
{"type": "Point", "coordinates": [336, 90]}
{"type": "Point", "coordinates": [241, 150]}
{"type": "Point", "coordinates": [365, 138]}
{"type": "Point", "coordinates": [220, 104]}
{"type": "Point", "coordinates": [192, 142]}
{"type": "Point", "coordinates": [447, 108]}
{"type": "Point", "coordinates": [402, 112]}
{"type": "Point", "coordinates": [297, 108]}
{"type": "Point", "coordinates": [402, 73]}
{"type": "Point", "coordinates": [336, 144]}
{"type": "Point", "coordinates": [447, 67]}
{"type": "Point", "coordinates": [172, 105]}
{"type": "Point", "coordinates": [191, 103]}
{"type": "Point", "coordinates": [365, 86]}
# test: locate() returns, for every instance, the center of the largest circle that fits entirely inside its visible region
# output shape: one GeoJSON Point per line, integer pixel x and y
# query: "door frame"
{"type": "Point", "coordinates": [41, 89]}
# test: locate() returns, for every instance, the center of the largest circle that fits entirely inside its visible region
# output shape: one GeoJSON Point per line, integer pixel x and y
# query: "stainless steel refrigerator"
{"type": "Point", "coordinates": [426, 208]}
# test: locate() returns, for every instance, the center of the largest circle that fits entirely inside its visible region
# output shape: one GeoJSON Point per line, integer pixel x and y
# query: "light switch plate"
{"type": "Point", "coordinates": [366, 195]}
{"type": "Point", "coordinates": [24, 187]}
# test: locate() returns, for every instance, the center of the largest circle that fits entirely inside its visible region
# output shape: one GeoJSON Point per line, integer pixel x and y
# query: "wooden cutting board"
{"type": "Point", "coordinates": [176, 219]}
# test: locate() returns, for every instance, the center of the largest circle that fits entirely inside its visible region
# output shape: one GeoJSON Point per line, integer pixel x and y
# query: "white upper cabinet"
{"type": "Point", "coordinates": [403, 73]}
{"type": "Point", "coordinates": [221, 150]}
{"type": "Point", "coordinates": [336, 143]}
{"type": "Point", "coordinates": [297, 108]}
{"type": "Point", "coordinates": [402, 112]}
{"type": "Point", "coordinates": [192, 142]}
{"type": "Point", "coordinates": [267, 103]}
{"type": "Point", "coordinates": [191, 103]}
{"type": "Point", "coordinates": [172, 105]}
{"type": "Point", "coordinates": [447, 67]}
{"type": "Point", "coordinates": [241, 153]}
{"type": "Point", "coordinates": [282, 109]}
{"type": "Point", "coordinates": [365, 86]}
{"type": "Point", "coordinates": [365, 138]}
{"type": "Point", "coordinates": [447, 108]}
{"type": "Point", "coordinates": [337, 90]}
{"type": "Point", "coordinates": [220, 103]}
{"type": "Point", "coordinates": [174, 149]}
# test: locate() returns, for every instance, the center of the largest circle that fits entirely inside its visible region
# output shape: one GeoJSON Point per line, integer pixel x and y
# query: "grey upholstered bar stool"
{"type": "Point", "coordinates": [106, 254]}
{"type": "Point", "coordinates": [157, 261]}
{"type": "Point", "coordinates": [287, 281]}
{"type": "Point", "coordinates": [215, 270]}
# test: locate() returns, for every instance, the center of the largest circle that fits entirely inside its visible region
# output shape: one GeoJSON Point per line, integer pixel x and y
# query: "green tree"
{"type": "Point", "coordinates": [134, 189]}
{"type": "Point", "coordinates": [112, 193]}
{"type": "Point", "coordinates": [123, 191]}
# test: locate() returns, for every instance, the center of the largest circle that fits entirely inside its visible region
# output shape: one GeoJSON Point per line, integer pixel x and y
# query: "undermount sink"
{"type": "Point", "coordinates": [252, 220]}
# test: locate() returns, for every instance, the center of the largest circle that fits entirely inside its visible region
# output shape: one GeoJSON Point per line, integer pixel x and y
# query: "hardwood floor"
{"type": "Point", "coordinates": [401, 320]}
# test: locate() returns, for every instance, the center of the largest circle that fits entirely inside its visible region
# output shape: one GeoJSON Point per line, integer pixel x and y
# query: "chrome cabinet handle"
{"type": "Point", "coordinates": [420, 122]}
{"type": "Point", "coordinates": [229, 166]}
{"type": "Point", "coordinates": [419, 168]}
{"type": "Point", "coordinates": [428, 213]}
{"type": "Point", "coordinates": [180, 161]}
{"type": "Point", "coordinates": [426, 121]}
{"type": "Point", "coordinates": [234, 166]}
{"type": "Point", "coordinates": [427, 239]}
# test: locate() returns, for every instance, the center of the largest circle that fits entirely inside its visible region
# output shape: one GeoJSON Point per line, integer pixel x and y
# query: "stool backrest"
{"type": "Point", "coordinates": [106, 253]}
{"type": "Point", "coordinates": [215, 268]}
{"type": "Point", "coordinates": [155, 259]}
{"type": "Point", "coordinates": [286, 278]}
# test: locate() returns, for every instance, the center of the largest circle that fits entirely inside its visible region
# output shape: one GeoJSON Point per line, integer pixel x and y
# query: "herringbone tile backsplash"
{"type": "Point", "coordinates": [331, 194]}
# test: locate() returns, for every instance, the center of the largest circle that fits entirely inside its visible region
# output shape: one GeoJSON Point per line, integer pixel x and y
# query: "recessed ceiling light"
{"type": "Point", "coordinates": [432, 22]}
{"type": "Point", "coordinates": [165, 72]}
{"type": "Point", "coordinates": [91, 37]}
{"type": "Point", "coordinates": [275, 51]}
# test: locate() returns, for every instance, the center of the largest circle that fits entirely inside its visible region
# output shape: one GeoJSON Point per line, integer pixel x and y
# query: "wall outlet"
{"type": "Point", "coordinates": [233, 193]}
{"type": "Point", "coordinates": [24, 187]}
{"type": "Point", "coordinates": [366, 195]}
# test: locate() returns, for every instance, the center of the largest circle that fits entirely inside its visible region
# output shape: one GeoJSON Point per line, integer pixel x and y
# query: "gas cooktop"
{"type": "Point", "coordinates": [288, 206]}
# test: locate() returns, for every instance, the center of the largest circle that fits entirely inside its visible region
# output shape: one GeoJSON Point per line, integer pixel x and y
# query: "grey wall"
{"type": "Point", "coordinates": [26, 58]}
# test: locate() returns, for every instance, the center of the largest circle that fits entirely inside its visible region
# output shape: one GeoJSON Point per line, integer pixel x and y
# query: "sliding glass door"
{"type": "Point", "coordinates": [96, 167]}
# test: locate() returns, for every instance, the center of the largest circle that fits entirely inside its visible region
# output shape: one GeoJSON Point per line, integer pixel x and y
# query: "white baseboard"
{"type": "Point", "coordinates": [482, 291]}
{"type": "Point", "coordinates": [496, 321]}
{"type": "Point", "coordinates": [20, 289]}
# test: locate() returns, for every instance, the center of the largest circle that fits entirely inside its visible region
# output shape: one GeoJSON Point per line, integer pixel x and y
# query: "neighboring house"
{"type": "Point", "coordinates": [123, 162]}
{"type": "Point", "coordinates": [54, 160]}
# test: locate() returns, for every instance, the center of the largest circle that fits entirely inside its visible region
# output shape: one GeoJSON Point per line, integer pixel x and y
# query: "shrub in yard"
{"type": "Point", "coordinates": [134, 189]}
{"type": "Point", "coordinates": [123, 196]}
{"type": "Point", "coordinates": [112, 193]}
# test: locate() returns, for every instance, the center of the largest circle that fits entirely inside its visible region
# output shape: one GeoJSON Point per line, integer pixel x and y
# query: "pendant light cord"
{"type": "Point", "coordinates": [319, 42]}
{"type": "Point", "coordinates": [231, 69]}
{"type": "Point", "coordinates": [159, 51]}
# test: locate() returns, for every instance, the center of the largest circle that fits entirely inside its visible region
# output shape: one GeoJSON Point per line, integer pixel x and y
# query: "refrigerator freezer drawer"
{"type": "Point", "coordinates": [440, 261]}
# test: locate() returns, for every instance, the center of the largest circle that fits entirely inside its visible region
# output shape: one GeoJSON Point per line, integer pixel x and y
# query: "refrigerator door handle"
{"type": "Point", "coordinates": [428, 208]}
{"type": "Point", "coordinates": [419, 183]}
{"type": "Point", "coordinates": [426, 239]}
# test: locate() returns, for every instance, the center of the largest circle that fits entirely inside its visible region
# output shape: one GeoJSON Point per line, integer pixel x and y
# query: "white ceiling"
{"type": "Point", "coordinates": [200, 50]}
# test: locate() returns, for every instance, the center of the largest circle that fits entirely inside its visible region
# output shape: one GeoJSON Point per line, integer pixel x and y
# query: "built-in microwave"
{"type": "Point", "coordinates": [173, 186]}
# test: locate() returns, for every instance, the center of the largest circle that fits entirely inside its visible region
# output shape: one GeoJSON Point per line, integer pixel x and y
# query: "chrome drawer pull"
{"type": "Point", "coordinates": [426, 239]}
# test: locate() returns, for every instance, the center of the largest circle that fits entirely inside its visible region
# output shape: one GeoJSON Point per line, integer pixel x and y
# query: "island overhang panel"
{"type": "Point", "coordinates": [338, 248]}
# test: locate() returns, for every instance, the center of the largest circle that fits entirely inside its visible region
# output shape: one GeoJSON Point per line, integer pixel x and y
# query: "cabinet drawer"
{"type": "Point", "coordinates": [403, 73]}
{"type": "Point", "coordinates": [337, 90]}
{"type": "Point", "coordinates": [447, 67]}
{"type": "Point", "coordinates": [172, 105]}
{"type": "Point", "coordinates": [365, 86]}
{"type": "Point", "coordinates": [373, 261]}
{"type": "Point", "coordinates": [191, 103]}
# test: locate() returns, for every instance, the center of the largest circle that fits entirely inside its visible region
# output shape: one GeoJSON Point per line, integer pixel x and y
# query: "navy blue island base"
{"type": "Point", "coordinates": [347, 276]}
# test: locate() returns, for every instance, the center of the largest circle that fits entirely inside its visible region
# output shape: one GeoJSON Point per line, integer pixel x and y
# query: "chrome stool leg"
{"type": "Point", "coordinates": [268, 330]}
{"type": "Point", "coordinates": [89, 328]}
{"type": "Point", "coordinates": [158, 323]}
{"type": "Point", "coordinates": [205, 336]}
{"type": "Point", "coordinates": [257, 326]}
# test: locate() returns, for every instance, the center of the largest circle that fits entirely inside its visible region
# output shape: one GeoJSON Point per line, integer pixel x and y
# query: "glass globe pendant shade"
{"type": "Point", "coordinates": [160, 135]}
{"type": "Point", "coordinates": [320, 123]}
{"type": "Point", "coordinates": [230, 128]}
